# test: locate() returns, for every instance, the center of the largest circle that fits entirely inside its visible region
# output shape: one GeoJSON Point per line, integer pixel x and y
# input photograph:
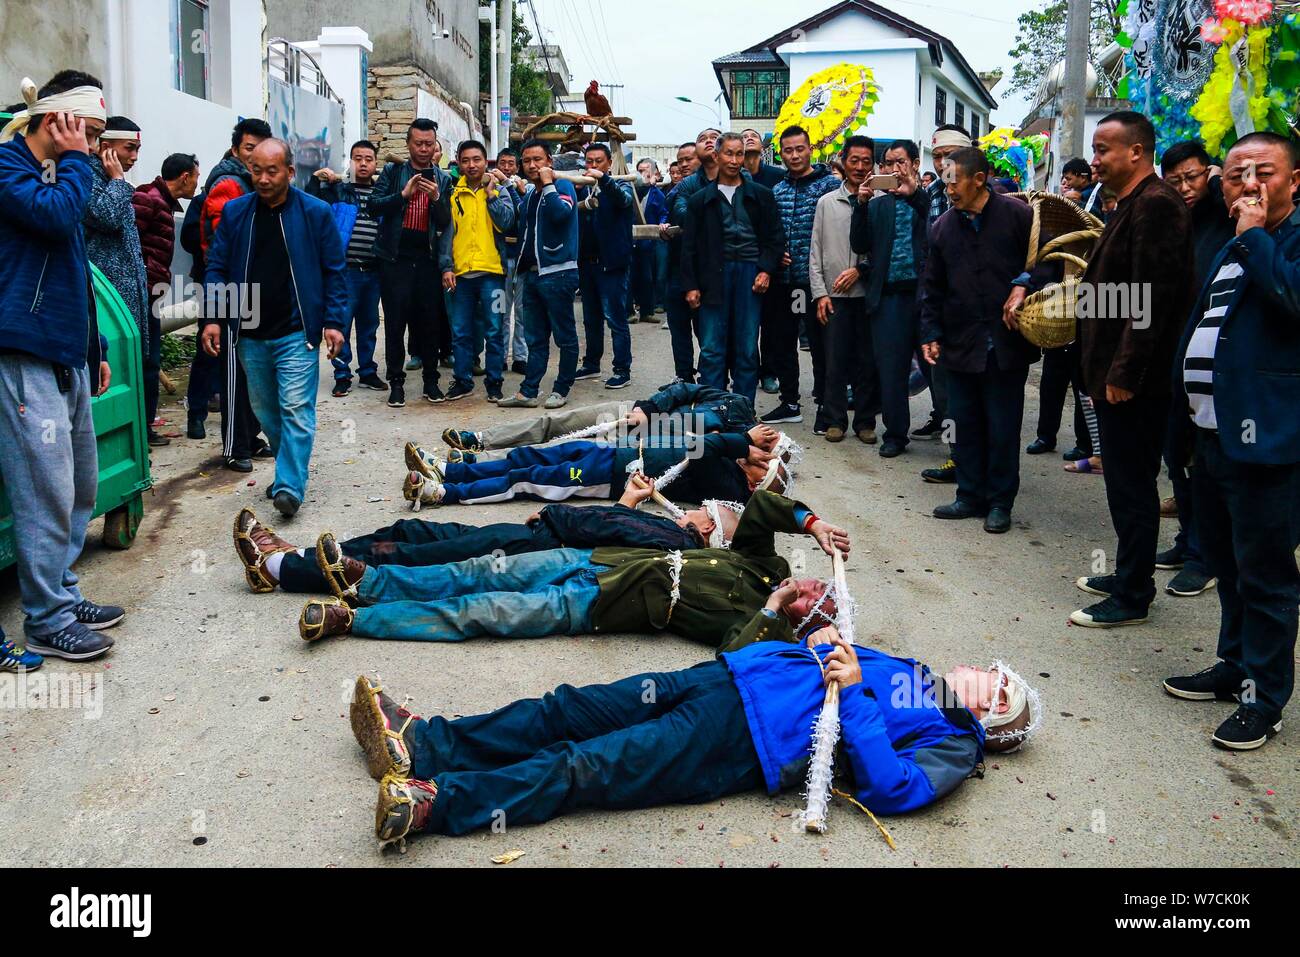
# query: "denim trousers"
{"type": "Point", "coordinates": [50, 466]}
{"type": "Point", "coordinates": [547, 303]}
{"type": "Point", "coordinates": [729, 332]}
{"type": "Point", "coordinates": [604, 303]}
{"type": "Point", "coordinates": [477, 306]}
{"type": "Point", "coordinates": [363, 315]}
{"type": "Point", "coordinates": [283, 375]}
{"type": "Point", "coordinates": [521, 596]}
{"type": "Point", "coordinates": [676, 737]}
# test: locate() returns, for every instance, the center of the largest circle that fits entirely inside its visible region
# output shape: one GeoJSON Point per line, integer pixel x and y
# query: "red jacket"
{"type": "Point", "coordinates": [155, 210]}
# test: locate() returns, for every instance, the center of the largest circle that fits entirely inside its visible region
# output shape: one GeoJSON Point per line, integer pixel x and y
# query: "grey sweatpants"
{"type": "Point", "coordinates": [551, 425]}
{"type": "Point", "coordinates": [50, 467]}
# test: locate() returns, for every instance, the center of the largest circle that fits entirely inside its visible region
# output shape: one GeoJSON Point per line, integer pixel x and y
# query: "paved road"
{"type": "Point", "coordinates": [220, 726]}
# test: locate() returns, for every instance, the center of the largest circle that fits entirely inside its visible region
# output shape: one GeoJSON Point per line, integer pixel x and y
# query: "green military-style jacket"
{"type": "Point", "coordinates": [722, 590]}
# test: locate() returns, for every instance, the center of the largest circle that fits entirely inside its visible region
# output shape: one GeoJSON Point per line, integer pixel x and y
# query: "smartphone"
{"type": "Point", "coordinates": [883, 181]}
{"type": "Point", "coordinates": [429, 173]}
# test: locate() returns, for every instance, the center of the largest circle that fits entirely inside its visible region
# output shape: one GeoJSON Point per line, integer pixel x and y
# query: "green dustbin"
{"type": "Point", "coordinates": [119, 427]}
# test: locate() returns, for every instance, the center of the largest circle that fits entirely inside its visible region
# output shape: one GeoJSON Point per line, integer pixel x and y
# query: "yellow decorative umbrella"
{"type": "Point", "coordinates": [830, 105]}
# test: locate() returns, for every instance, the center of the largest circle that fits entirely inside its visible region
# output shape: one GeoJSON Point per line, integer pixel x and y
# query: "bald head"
{"type": "Point", "coordinates": [274, 150]}
{"type": "Point", "coordinates": [272, 167]}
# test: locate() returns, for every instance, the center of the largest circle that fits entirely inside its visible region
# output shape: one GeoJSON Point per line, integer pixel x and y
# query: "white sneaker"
{"type": "Point", "coordinates": [556, 401]}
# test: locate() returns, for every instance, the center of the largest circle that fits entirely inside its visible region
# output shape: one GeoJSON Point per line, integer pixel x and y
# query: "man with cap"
{"type": "Point", "coordinates": [52, 361]}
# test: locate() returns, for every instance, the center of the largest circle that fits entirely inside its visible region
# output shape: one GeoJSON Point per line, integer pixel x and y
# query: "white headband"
{"type": "Point", "coordinates": [120, 135]}
{"type": "Point", "coordinates": [86, 102]}
{"type": "Point", "coordinates": [949, 138]}
{"type": "Point", "coordinates": [1019, 696]}
{"type": "Point", "coordinates": [717, 538]}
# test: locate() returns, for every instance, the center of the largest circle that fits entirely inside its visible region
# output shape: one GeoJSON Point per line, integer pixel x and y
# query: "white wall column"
{"type": "Point", "coordinates": [343, 55]}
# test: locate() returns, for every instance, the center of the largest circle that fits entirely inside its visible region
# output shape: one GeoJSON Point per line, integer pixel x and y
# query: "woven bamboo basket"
{"type": "Point", "coordinates": [1062, 232]}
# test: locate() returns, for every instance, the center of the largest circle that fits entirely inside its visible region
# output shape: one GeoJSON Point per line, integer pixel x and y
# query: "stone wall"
{"type": "Point", "coordinates": [392, 95]}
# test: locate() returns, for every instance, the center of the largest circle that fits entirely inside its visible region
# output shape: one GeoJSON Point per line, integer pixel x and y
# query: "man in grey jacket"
{"type": "Point", "coordinates": [834, 276]}
{"type": "Point", "coordinates": [112, 240]}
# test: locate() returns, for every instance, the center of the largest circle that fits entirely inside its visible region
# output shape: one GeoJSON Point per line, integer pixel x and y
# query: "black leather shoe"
{"type": "Point", "coordinates": [1074, 454]}
{"type": "Point", "coordinates": [958, 509]}
{"type": "Point", "coordinates": [997, 521]}
{"type": "Point", "coordinates": [1039, 446]}
{"type": "Point", "coordinates": [194, 429]}
{"type": "Point", "coordinates": [239, 465]}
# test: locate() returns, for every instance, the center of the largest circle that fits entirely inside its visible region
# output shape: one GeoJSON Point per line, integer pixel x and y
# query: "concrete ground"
{"type": "Point", "coordinates": [223, 739]}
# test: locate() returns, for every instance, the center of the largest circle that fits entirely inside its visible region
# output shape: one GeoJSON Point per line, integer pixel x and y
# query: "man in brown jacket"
{"type": "Point", "coordinates": [1133, 302]}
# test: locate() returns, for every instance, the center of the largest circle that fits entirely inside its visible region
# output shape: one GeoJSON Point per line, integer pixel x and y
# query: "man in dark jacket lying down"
{"type": "Point", "coordinates": [908, 737]}
{"type": "Point", "coordinates": [269, 560]}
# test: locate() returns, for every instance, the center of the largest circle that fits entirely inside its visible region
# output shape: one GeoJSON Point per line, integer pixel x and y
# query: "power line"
{"type": "Point", "coordinates": [609, 48]}
{"type": "Point", "coordinates": [579, 35]}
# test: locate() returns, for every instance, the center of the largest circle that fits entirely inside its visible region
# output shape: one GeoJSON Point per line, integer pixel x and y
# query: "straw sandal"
{"type": "Point", "coordinates": [251, 556]}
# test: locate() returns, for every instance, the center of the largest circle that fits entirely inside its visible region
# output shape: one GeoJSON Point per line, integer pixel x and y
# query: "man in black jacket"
{"type": "Point", "coordinates": [413, 200]}
{"type": "Point", "coordinates": [974, 282]}
{"type": "Point", "coordinates": [413, 542]}
{"type": "Point", "coordinates": [732, 242]}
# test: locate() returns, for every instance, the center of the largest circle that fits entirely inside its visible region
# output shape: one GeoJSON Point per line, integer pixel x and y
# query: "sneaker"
{"type": "Point", "coordinates": [396, 396]}
{"type": "Point", "coordinates": [1107, 613]}
{"type": "Point", "coordinates": [1189, 583]}
{"type": "Point", "coordinates": [341, 388]}
{"type": "Point", "coordinates": [157, 441]}
{"type": "Point", "coordinates": [494, 394]}
{"type": "Point", "coordinates": [619, 380]}
{"type": "Point", "coordinates": [785, 412]}
{"type": "Point", "coordinates": [458, 390]}
{"type": "Point", "coordinates": [420, 490]}
{"type": "Point", "coordinates": [194, 428]}
{"type": "Point", "coordinates": [769, 385]}
{"type": "Point", "coordinates": [461, 439]}
{"type": "Point", "coordinates": [458, 457]}
{"type": "Point", "coordinates": [434, 395]}
{"type": "Point", "coordinates": [13, 658]}
{"type": "Point", "coordinates": [98, 617]}
{"type": "Point", "coordinates": [931, 430]}
{"type": "Point", "coordinates": [556, 401]}
{"type": "Point", "coordinates": [418, 460]}
{"type": "Point", "coordinates": [587, 372]}
{"type": "Point", "coordinates": [414, 363]}
{"type": "Point", "coordinates": [1170, 559]}
{"type": "Point", "coordinates": [1039, 446]}
{"type": "Point", "coordinates": [945, 474]}
{"type": "Point", "coordinates": [373, 381]}
{"type": "Point", "coordinates": [263, 450]}
{"type": "Point", "coordinates": [405, 805]}
{"type": "Point", "coordinates": [519, 401]}
{"type": "Point", "coordinates": [286, 504]}
{"type": "Point", "coordinates": [1246, 729]}
{"type": "Point", "coordinates": [891, 450]}
{"type": "Point", "coordinates": [519, 367]}
{"type": "Point", "coordinates": [239, 465]}
{"type": "Point", "coordinates": [75, 643]}
{"type": "Point", "coordinates": [379, 724]}
{"type": "Point", "coordinates": [1216, 683]}
{"type": "Point", "coordinates": [1103, 585]}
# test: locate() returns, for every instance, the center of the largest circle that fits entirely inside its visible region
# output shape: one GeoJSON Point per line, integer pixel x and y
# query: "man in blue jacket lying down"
{"type": "Point", "coordinates": [908, 737]}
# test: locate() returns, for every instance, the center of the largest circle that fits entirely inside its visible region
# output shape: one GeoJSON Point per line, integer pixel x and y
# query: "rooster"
{"type": "Point", "coordinates": [596, 103]}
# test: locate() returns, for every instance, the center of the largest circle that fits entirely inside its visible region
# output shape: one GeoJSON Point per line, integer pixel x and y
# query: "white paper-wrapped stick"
{"type": "Point", "coordinates": [826, 732]}
{"type": "Point", "coordinates": [579, 178]}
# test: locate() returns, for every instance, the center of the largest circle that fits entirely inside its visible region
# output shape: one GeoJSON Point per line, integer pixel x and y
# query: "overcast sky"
{"type": "Point", "coordinates": [662, 50]}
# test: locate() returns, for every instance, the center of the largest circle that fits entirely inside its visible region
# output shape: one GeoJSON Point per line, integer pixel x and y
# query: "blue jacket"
{"type": "Point", "coordinates": [44, 282]}
{"type": "Point", "coordinates": [1257, 358]}
{"type": "Point", "coordinates": [796, 199]}
{"type": "Point", "coordinates": [316, 261]}
{"type": "Point", "coordinates": [611, 223]}
{"type": "Point", "coordinates": [718, 411]}
{"type": "Point", "coordinates": [549, 227]}
{"type": "Point", "coordinates": [343, 200]}
{"type": "Point", "coordinates": [904, 750]}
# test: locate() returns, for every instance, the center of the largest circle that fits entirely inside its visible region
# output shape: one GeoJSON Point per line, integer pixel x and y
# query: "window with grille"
{"type": "Point", "coordinates": [191, 46]}
{"type": "Point", "coordinates": [940, 107]}
{"type": "Point", "coordinates": [974, 126]}
{"type": "Point", "coordinates": [959, 113]}
{"type": "Point", "coordinates": [758, 94]}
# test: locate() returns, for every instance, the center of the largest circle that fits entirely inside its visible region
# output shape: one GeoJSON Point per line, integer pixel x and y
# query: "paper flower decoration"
{"type": "Point", "coordinates": [1247, 12]}
{"type": "Point", "coordinates": [1012, 156]}
{"type": "Point", "coordinates": [831, 105]}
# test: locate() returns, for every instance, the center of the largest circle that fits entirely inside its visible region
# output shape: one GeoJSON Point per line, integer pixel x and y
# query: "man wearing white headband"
{"type": "Point", "coordinates": [908, 738]}
{"type": "Point", "coordinates": [51, 364]}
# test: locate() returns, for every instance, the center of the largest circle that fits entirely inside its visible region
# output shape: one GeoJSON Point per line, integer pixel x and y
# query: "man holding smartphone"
{"type": "Point", "coordinates": [412, 199]}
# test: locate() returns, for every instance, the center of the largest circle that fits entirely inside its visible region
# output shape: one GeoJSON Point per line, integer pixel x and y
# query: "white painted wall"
{"type": "Point", "coordinates": [895, 69]}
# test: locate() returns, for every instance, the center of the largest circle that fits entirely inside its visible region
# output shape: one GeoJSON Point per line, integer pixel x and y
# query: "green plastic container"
{"type": "Point", "coordinates": [119, 426]}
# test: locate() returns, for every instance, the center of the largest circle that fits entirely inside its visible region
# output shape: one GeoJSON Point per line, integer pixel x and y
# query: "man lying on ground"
{"type": "Point", "coordinates": [269, 560]}
{"type": "Point", "coordinates": [908, 738]}
{"type": "Point", "coordinates": [718, 465]}
{"type": "Point", "coordinates": [724, 597]}
{"type": "Point", "coordinates": [676, 409]}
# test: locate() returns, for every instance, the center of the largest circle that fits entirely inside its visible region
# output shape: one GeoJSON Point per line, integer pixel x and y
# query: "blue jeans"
{"type": "Point", "coordinates": [604, 303]}
{"type": "Point", "coordinates": [729, 332]}
{"type": "Point", "coordinates": [283, 375]}
{"type": "Point", "coordinates": [513, 344]}
{"type": "Point", "coordinates": [676, 737]}
{"type": "Point", "coordinates": [476, 309]}
{"type": "Point", "coordinates": [363, 309]}
{"type": "Point", "coordinates": [520, 596]}
{"type": "Point", "coordinates": [547, 303]}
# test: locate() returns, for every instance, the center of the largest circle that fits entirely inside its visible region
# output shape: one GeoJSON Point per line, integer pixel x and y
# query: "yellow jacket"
{"type": "Point", "coordinates": [479, 220]}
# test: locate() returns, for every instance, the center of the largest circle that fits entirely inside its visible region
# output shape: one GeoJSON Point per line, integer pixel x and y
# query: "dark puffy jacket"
{"type": "Point", "coordinates": [594, 526]}
{"type": "Point", "coordinates": [155, 219]}
{"type": "Point", "coordinates": [720, 411]}
{"type": "Point", "coordinates": [796, 199]}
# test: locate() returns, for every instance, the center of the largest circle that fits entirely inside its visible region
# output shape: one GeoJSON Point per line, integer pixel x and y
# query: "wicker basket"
{"type": "Point", "coordinates": [1062, 232]}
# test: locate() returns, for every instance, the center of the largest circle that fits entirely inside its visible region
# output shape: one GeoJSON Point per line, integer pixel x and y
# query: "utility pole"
{"type": "Point", "coordinates": [1073, 92]}
{"type": "Point", "coordinates": [505, 37]}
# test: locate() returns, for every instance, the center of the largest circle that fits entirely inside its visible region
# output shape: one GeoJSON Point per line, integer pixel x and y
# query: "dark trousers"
{"type": "Point", "coordinates": [411, 290]}
{"type": "Point", "coordinates": [683, 328]}
{"type": "Point", "coordinates": [152, 367]}
{"type": "Point", "coordinates": [1249, 520]}
{"type": "Point", "coordinates": [987, 409]}
{"type": "Point", "coordinates": [677, 737]}
{"type": "Point", "coordinates": [1132, 438]}
{"type": "Point", "coordinates": [1061, 375]}
{"type": "Point", "coordinates": [893, 327]}
{"type": "Point", "coordinates": [1187, 541]}
{"type": "Point", "coordinates": [848, 366]}
{"type": "Point", "coordinates": [641, 284]}
{"type": "Point", "coordinates": [784, 307]}
{"type": "Point", "coordinates": [546, 303]}
{"type": "Point", "coordinates": [208, 378]}
{"type": "Point", "coordinates": [415, 543]}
